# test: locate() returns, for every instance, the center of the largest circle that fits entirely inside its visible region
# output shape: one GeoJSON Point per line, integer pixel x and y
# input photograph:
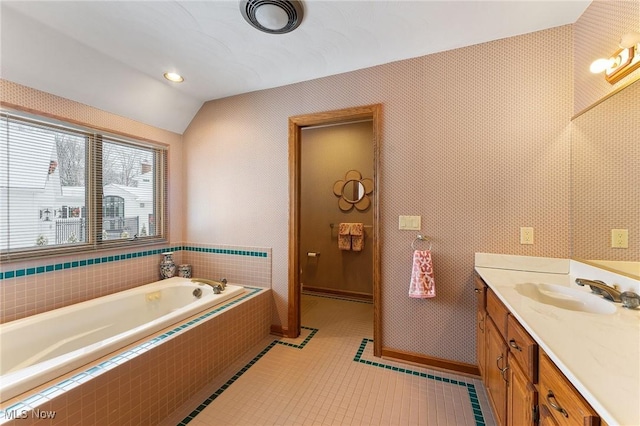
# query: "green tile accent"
{"type": "Point", "coordinates": [471, 389]}
{"type": "Point", "coordinates": [477, 411]}
{"type": "Point", "coordinates": [124, 256]}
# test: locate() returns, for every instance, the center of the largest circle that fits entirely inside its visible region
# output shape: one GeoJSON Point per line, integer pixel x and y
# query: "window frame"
{"type": "Point", "coordinates": [95, 138]}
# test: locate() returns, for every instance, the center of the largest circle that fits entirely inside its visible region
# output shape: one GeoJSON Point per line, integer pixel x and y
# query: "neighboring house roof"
{"type": "Point", "coordinates": [28, 160]}
{"type": "Point", "coordinates": [72, 191]}
{"type": "Point", "coordinates": [78, 192]}
{"type": "Point", "coordinates": [139, 194]}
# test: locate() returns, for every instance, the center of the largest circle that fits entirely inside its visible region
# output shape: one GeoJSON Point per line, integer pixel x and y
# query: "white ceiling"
{"type": "Point", "coordinates": [112, 54]}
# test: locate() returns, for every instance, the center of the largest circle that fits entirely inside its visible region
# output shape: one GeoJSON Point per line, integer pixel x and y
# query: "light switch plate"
{"type": "Point", "coordinates": [409, 223]}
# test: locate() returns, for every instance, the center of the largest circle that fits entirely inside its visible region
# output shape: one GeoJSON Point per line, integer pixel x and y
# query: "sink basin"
{"type": "Point", "coordinates": [566, 298]}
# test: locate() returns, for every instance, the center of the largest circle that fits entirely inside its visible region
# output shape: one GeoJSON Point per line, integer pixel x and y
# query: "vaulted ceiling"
{"type": "Point", "coordinates": [112, 54]}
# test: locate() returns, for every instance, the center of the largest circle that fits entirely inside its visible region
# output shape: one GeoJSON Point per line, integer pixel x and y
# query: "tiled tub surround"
{"type": "Point", "coordinates": [239, 264]}
{"type": "Point", "coordinates": [31, 287]}
{"type": "Point", "coordinates": [148, 380]}
{"type": "Point", "coordinates": [598, 353]}
{"type": "Point", "coordinates": [41, 347]}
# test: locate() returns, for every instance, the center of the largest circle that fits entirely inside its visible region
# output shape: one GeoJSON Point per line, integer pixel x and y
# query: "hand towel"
{"type": "Point", "coordinates": [422, 282]}
{"type": "Point", "coordinates": [357, 236]}
{"type": "Point", "coordinates": [344, 236]}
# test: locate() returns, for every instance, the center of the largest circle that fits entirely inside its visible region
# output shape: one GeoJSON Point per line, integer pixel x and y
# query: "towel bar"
{"type": "Point", "coordinates": [333, 225]}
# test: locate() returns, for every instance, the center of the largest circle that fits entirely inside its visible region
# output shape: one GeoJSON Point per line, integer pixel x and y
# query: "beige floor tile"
{"type": "Point", "coordinates": [314, 380]}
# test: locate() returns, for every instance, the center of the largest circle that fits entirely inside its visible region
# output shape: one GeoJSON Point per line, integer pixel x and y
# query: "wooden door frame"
{"type": "Point", "coordinates": [296, 123]}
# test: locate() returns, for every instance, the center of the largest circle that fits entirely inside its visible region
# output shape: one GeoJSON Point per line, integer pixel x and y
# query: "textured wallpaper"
{"type": "Point", "coordinates": [475, 140]}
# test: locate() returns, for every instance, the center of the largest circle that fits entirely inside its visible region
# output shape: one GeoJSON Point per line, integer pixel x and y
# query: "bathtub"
{"type": "Point", "coordinates": [37, 349]}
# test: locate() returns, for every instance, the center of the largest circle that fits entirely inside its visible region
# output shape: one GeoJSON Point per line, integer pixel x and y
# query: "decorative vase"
{"type": "Point", "coordinates": [167, 266]}
{"type": "Point", "coordinates": [184, 271]}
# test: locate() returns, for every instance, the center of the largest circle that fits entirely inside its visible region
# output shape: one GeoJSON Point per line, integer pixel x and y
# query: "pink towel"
{"type": "Point", "coordinates": [344, 236]}
{"type": "Point", "coordinates": [357, 236]}
{"type": "Point", "coordinates": [422, 283]}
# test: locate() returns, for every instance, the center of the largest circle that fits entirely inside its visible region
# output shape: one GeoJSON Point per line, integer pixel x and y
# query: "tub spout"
{"type": "Point", "coordinates": [218, 286]}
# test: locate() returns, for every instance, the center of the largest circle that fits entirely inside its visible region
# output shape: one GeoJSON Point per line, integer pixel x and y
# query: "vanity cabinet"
{"type": "Point", "coordinates": [481, 313]}
{"type": "Point", "coordinates": [563, 402]}
{"type": "Point", "coordinates": [496, 353]}
{"type": "Point", "coordinates": [511, 366]}
{"type": "Point", "coordinates": [523, 384]}
{"type": "Point", "coordinates": [496, 370]}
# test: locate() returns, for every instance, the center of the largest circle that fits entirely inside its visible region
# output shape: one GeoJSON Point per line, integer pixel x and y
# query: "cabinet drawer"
{"type": "Point", "coordinates": [523, 348]}
{"type": "Point", "coordinates": [564, 402]}
{"type": "Point", "coordinates": [498, 312]}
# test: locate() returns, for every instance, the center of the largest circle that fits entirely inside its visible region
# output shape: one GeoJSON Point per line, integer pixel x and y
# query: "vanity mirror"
{"type": "Point", "coordinates": [605, 182]}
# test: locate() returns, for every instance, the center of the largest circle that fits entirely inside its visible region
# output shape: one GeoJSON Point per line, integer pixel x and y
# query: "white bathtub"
{"type": "Point", "coordinates": [42, 347]}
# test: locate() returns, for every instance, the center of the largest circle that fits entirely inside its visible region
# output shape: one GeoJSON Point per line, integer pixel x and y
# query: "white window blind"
{"type": "Point", "coordinates": [66, 189]}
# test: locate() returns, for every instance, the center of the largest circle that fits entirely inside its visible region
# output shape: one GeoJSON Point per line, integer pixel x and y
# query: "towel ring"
{"type": "Point", "coordinates": [421, 238]}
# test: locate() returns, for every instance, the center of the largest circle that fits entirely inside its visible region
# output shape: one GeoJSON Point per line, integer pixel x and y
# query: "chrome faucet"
{"type": "Point", "coordinates": [218, 286]}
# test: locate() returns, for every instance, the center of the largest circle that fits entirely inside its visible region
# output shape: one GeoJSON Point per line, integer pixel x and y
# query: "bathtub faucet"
{"type": "Point", "coordinates": [218, 286]}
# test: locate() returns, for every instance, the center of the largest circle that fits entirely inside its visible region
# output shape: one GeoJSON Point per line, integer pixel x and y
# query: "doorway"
{"type": "Point", "coordinates": [296, 124]}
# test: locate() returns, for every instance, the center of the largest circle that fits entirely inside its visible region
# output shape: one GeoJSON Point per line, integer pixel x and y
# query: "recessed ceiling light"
{"type": "Point", "coordinates": [172, 76]}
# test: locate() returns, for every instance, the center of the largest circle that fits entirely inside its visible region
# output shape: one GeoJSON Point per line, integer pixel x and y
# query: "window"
{"type": "Point", "coordinates": [71, 189]}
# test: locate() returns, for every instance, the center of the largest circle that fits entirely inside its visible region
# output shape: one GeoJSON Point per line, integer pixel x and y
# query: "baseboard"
{"type": "Point", "coordinates": [280, 331]}
{"type": "Point", "coordinates": [337, 292]}
{"type": "Point", "coordinates": [431, 362]}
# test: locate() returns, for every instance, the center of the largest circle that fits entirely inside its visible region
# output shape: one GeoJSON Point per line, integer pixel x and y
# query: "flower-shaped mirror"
{"type": "Point", "coordinates": [353, 191]}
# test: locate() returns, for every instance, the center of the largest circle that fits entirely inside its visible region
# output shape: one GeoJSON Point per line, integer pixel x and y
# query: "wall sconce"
{"type": "Point", "coordinates": [623, 62]}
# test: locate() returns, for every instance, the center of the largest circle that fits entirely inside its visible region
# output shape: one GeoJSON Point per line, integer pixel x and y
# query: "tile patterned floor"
{"type": "Point", "coordinates": [329, 376]}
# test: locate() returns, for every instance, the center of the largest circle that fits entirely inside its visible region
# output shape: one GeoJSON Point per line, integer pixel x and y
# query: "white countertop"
{"type": "Point", "coordinates": [599, 353]}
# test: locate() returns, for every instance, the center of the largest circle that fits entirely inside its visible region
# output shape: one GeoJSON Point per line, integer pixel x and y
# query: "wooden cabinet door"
{"type": "Point", "coordinates": [546, 418]}
{"type": "Point", "coordinates": [481, 315]}
{"type": "Point", "coordinates": [481, 343]}
{"type": "Point", "coordinates": [522, 397]}
{"type": "Point", "coordinates": [496, 371]}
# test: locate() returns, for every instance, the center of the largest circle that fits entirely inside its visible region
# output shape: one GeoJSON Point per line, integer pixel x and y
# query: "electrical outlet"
{"type": "Point", "coordinates": [620, 238]}
{"type": "Point", "coordinates": [526, 235]}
